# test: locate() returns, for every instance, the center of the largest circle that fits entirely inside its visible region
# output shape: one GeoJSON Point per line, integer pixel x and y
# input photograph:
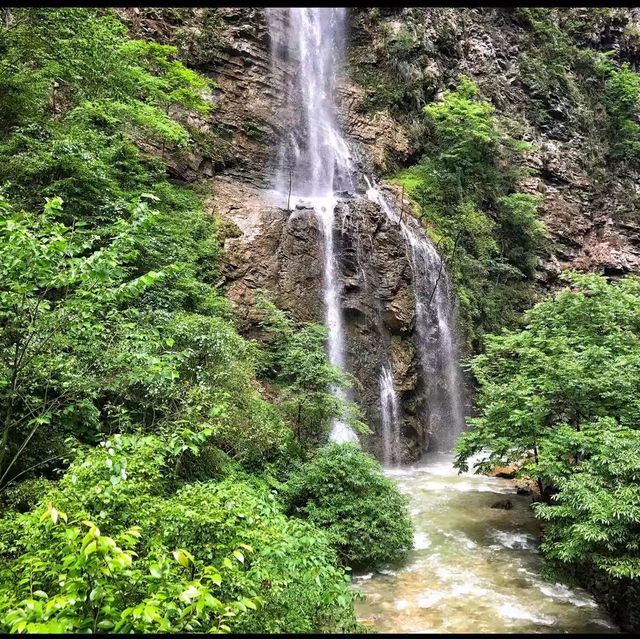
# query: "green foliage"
{"type": "Point", "coordinates": [296, 363]}
{"type": "Point", "coordinates": [596, 514]}
{"type": "Point", "coordinates": [465, 188]}
{"type": "Point", "coordinates": [559, 72]}
{"type": "Point", "coordinates": [120, 545]}
{"type": "Point", "coordinates": [402, 43]}
{"type": "Point", "coordinates": [343, 490]}
{"type": "Point", "coordinates": [622, 100]}
{"type": "Point", "coordinates": [562, 395]}
{"type": "Point", "coordinates": [86, 348]}
{"type": "Point", "coordinates": [58, 311]}
{"type": "Point", "coordinates": [111, 355]}
{"type": "Point", "coordinates": [466, 137]}
{"type": "Point", "coordinates": [91, 95]}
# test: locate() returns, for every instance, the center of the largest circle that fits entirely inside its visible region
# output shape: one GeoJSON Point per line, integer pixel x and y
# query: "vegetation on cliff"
{"type": "Point", "coordinates": [466, 188]}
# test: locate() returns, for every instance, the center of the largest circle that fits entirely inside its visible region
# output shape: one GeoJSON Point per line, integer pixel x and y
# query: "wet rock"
{"type": "Point", "coordinates": [503, 505]}
{"type": "Point", "coordinates": [504, 472]}
{"type": "Point", "coordinates": [282, 253]}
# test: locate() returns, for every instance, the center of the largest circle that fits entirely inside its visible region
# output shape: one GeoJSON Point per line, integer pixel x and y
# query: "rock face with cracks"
{"type": "Point", "coordinates": [281, 251]}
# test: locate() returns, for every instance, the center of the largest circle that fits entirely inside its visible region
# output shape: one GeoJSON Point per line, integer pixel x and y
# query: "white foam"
{"type": "Point", "coordinates": [429, 599]}
{"type": "Point", "coordinates": [511, 610]}
{"type": "Point", "coordinates": [421, 541]}
{"type": "Point", "coordinates": [515, 540]}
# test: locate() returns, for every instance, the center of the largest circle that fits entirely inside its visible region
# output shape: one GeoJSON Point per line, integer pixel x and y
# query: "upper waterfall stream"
{"type": "Point", "coordinates": [314, 159]}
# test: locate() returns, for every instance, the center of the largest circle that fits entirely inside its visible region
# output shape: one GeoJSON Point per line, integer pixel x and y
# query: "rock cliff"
{"type": "Point", "coordinates": [399, 60]}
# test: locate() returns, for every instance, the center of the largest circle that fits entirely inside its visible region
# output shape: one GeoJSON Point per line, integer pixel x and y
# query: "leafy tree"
{"type": "Point", "coordinates": [58, 313]}
{"type": "Point", "coordinates": [343, 490]}
{"type": "Point", "coordinates": [595, 516]}
{"type": "Point", "coordinates": [167, 358]}
{"type": "Point", "coordinates": [296, 362]}
{"type": "Point", "coordinates": [561, 398]}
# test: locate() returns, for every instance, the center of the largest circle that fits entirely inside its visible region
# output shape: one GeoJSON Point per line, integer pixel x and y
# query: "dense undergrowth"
{"type": "Point", "coordinates": [146, 481]}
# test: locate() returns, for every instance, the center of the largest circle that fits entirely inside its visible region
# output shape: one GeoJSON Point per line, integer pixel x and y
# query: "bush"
{"type": "Point", "coordinates": [123, 545]}
{"type": "Point", "coordinates": [622, 99]}
{"type": "Point", "coordinates": [295, 362]}
{"type": "Point", "coordinates": [345, 492]}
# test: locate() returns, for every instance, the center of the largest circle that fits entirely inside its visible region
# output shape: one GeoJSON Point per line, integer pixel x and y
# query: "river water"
{"type": "Point", "coordinates": [473, 568]}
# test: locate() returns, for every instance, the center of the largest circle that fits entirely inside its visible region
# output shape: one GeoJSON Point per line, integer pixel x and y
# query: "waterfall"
{"type": "Point", "coordinates": [435, 321]}
{"type": "Point", "coordinates": [314, 159]}
{"type": "Point", "coordinates": [314, 164]}
{"type": "Point", "coordinates": [390, 418]}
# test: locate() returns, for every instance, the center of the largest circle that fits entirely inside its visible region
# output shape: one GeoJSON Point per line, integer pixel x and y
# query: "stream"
{"type": "Point", "coordinates": [473, 568]}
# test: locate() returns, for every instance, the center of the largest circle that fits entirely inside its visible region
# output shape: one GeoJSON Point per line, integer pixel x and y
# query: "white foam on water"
{"type": "Point", "coordinates": [465, 589]}
{"type": "Point", "coordinates": [402, 604]}
{"type": "Point", "coordinates": [512, 610]}
{"type": "Point", "coordinates": [515, 540]}
{"type": "Point", "coordinates": [388, 572]}
{"type": "Point", "coordinates": [474, 576]}
{"type": "Point", "coordinates": [462, 539]}
{"type": "Point", "coordinates": [429, 599]}
{"type": "Point", "coordinates": [421, 541]}
{"type": "Point", "coordinates": [563, 593]}
{"type": "Point", "coordinates": [364, 577]}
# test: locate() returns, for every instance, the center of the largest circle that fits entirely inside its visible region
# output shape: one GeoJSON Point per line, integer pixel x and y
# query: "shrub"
{"type": "Point", "coordinates": [345, 492]}
{"type": "Point", "coordinates": [295, 362]}
{"type": "Point", "coordinates": [123, 545]}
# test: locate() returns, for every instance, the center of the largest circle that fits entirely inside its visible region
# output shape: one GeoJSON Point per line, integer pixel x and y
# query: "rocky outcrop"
{"type": "Point", "coordinates": [281, 252]}
{"type": "Point", "coordinates": [231, 46]}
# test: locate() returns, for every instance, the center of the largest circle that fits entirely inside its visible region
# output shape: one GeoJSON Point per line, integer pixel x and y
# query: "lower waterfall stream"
{"type": "Point", "coordinates": [473, 568]}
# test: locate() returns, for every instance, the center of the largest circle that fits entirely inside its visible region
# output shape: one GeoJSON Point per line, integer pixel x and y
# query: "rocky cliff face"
{"type": "Point", "coordinates": [399, 59]}
{"type": "Point", "coordinates": [590, 211]}
{"type": "Point", "coordinates": [281, 252]}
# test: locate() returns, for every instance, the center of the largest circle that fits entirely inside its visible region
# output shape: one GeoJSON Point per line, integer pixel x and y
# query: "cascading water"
{"type": "Point", "coordinates": [390, 418]}
{"type": "Point", "coordinates": [435, 319]}
{"type": "Point", "coordinates": [314, 163]}
{"type": "Point", "coordinates": [314, 159]}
